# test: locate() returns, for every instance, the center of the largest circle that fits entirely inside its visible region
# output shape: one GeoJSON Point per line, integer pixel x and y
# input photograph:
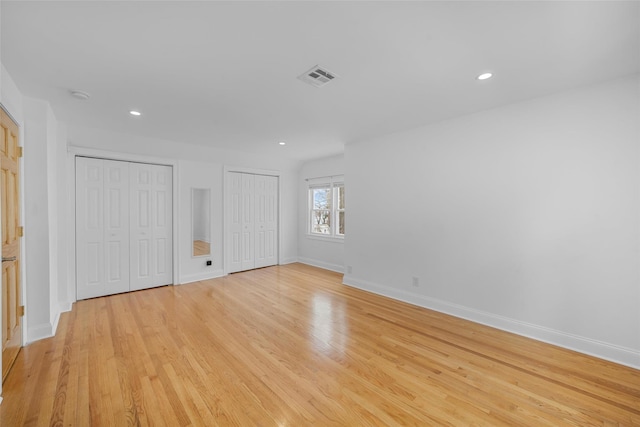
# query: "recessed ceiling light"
{"type": "Point", "coordinates": [282, 143]}
{"type": "Point", "coordinates": [135, 113]}
{"type": "Point", "coordinates": [78, 94]}
{"type": "Point", "coordinates": [484, 76]}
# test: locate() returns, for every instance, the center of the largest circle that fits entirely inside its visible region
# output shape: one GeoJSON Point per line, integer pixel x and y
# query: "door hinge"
{"type": "Point", "coordinates": [19, 151]}
{"type": "Point", "coordinates": [21, 311]}
{"type": "Point", "coordinates": [20, 231]}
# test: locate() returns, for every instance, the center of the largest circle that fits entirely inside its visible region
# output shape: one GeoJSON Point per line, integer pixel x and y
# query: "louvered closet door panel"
{"type": "Point", "coordinates": [151, 230]}
{"type": "Point", "coordinates": [234, 221]}
{"type": "Point", "coordinates": [102, 230]}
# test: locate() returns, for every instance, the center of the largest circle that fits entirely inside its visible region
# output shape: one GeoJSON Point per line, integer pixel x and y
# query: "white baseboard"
{"type": "Point", "coordinates": [288, 260]}
{"type": "Point", "coordinates": [54, 324]}
{"type": "Point", "coordinates": [47, 330]}
{"type": "Point", "coordinates": [39, 332]}
{"type": "Point", "coordinates": [321, 264]}
{"type": "Point", "coordinates": [190, 278]}
{"type": "Point", "coordinates": [66, 306]}
{"type": "Point", "coordinates": [622, 355]}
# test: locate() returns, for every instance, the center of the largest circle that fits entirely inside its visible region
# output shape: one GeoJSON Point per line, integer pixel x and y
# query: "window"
{"type": "Point", "coordinates": [326, 213]}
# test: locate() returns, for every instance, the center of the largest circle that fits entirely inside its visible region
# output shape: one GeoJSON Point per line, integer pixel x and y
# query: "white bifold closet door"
{"type": "Point", "coordinates": [151, 212]}
{"type": "Point", "coordinates": [123, 226]}
{"type": "Point", "coordinates": [252, 221]}
{"type": "Point", "coordinates": [102, 227]}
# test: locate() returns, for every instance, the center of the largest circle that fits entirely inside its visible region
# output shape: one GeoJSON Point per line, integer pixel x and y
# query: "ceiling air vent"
{"type": "Point", "coordinates": [317, 76]}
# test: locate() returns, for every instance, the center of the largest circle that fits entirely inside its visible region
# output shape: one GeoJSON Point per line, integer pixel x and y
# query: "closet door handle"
{"type": "Point", "coordinates": [11, 258]}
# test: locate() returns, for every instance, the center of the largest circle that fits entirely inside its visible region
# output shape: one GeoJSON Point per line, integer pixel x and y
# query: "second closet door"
{"type": "Point", "coordinates": [252, 221]}
{"type": "Point", "coordinates": [266, 220]}
{"type": "Point", "coordinates": [150, 203]}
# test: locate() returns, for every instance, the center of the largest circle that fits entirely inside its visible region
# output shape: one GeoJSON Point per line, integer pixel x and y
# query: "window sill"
{"type": "Point", "coordinates": [325, 238]}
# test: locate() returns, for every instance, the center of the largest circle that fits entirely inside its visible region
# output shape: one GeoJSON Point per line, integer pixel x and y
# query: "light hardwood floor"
{"type": "Point", "coordinates": [292, 346]}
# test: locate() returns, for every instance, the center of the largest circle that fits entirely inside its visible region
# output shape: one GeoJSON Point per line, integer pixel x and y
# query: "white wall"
{"type": "Point", "coordinates": [51, 187]}
{"type": "Point", "coordinates": [10, 96]}
{"type": "Point", "coordinates": [202, 167]}
{"type": "Point", "coordinates": [321, 252]}
{"type": "Point", "coordinates": [64, 181]}
{"type": "Point", "coordinates": [41, 261]}
{"type": "Point", "coordinates": [524, 217]}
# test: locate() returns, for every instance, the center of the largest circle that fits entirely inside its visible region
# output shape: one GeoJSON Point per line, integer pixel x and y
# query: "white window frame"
{"type": "Point", "coordinates": [332, 183]}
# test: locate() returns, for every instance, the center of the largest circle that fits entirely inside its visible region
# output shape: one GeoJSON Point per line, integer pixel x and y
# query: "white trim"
{"type": "Point", "coordinates": [325, 238]}
{"type": "Point", "coordinates": [197, 277]}
{"type": "Point", "coordinates": [114, 155]}
{"type": "Point", "coordinates": [39, 332]}
{"type": "Point", "coordinates": [11, 116]}
{"type": "Point", "coordinates": [54, 324]}
{"type": "Point", "coordinates": [251, 171]}
{"type": "Point", "coordinates": [321, 264]}
{"type": "Point", "coordinates": [65, 307]}
{"type": "Point", "coordinates": [618, 354]}
{"type": "Point", "coordinates": [23, 242]}
{"type": "Point", "coordinates": [290, 260]}
{"type": "Point", "coordinates": [71, 228]}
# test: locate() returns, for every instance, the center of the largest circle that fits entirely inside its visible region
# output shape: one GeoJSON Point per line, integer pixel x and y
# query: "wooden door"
{"type": "Point", "coordinates": [12, 310]}
{"type": "Point", "coordinates": [151, 226]}
{"type": "Point", "coordinates": [102, 227]}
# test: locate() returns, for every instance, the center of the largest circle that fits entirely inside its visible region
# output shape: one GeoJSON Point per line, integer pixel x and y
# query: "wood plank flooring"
{"type": "Point", "coordinates": [292, 346]}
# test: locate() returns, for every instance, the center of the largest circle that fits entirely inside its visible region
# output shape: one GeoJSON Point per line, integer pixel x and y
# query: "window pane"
{"type": "Point", "coordinates": [321, 198]}
{"type": "Point", "coordinates": [321, 221]}
{"type": "Point", "coordinates": [341, 223]}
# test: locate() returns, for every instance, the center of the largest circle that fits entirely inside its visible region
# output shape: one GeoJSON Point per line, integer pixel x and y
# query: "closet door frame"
{"type": "Point", "coordinates": [225, 216]}
{"type": "Point", "coordinates": [74, 152]}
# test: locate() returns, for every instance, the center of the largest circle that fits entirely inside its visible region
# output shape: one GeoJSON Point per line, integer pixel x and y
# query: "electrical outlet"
{"type": "Point", "coordinates": [209, 263]}
{"type": "Point", "coordinates": [349, 269]}
{"type": "Point", "coordinates": [415, 281]}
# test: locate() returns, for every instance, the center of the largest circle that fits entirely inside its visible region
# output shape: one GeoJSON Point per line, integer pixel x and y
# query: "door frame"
{"type": "Point", "coordinates": [72, 153]}
{"type": "Point", "coordinates": [229, 169]}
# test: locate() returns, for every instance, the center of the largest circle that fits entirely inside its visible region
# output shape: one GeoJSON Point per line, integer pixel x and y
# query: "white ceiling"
{"type": "Point", "coordinates": [224, 74]}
